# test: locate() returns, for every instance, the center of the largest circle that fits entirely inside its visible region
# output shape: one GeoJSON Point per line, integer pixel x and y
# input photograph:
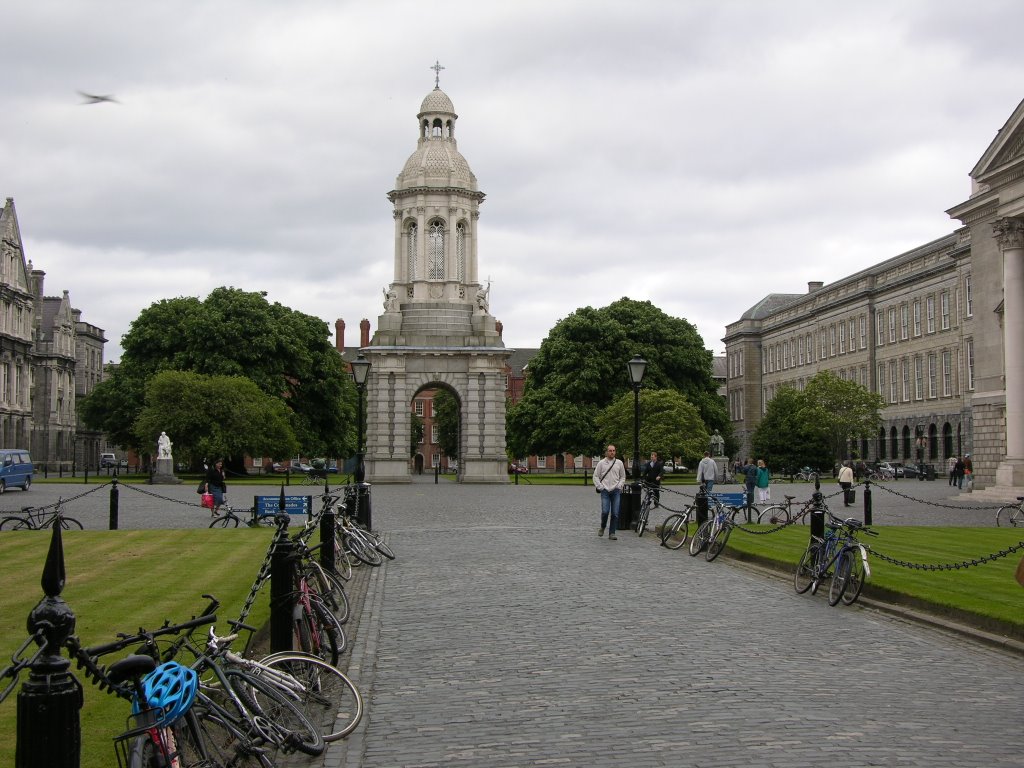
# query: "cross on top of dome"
{"type": "Point", "coordinates": [437, 73]}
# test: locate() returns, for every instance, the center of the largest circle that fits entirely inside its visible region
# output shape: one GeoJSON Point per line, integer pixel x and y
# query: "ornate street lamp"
{"type": "Point", "coordinates": [637, 368]}
{"type": "Point", "coordinates": [360, 372]}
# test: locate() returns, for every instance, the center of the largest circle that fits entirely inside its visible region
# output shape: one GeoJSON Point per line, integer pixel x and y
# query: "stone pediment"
{"type": "Point", "coordinates": [1005, 151]}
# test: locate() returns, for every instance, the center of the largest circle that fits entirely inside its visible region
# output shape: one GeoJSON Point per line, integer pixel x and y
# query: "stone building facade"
{"type": "Point", "coordinates": [48, 358]}
{"type": "Point", "coordinates": [436, 330]}
{"type": "Point", "coordinates": [937, 331]}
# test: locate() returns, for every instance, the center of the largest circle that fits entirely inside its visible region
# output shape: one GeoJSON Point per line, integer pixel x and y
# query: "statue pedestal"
{"type": "Point", "coordinates": [164, 474]}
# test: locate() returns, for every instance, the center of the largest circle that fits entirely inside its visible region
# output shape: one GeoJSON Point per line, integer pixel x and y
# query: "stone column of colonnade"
{"type": "Point", "coordinates": [1009, 233]}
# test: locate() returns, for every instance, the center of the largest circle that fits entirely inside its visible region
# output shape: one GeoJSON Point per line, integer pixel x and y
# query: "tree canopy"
{"type": "Point", "coordinates": [669, 424]}
{"type": "Point", "coordinates": [285, 353]}
{"type": "Point", "coordinates": [813, 426]}
{"type": "Point", "coordinates": [446, 416]}
{"type": "Point", "coordinates": [581, 368]}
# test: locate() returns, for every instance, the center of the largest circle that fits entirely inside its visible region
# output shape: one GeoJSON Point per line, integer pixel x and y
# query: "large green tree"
{"type": "Point", "coordinates": [214, 416]}
{"type": "Point", "coordinates": [287, 354]}
{"type": "Point", "coordinates": [581, 368]}
{"type": "Point", "coordinates": [669, 424]}
{"type": "Point", "coordinates": [813, 426]}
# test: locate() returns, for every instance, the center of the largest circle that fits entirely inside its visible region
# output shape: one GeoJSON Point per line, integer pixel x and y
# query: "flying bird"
{"type": "Point", "coordinates": [91, 98]}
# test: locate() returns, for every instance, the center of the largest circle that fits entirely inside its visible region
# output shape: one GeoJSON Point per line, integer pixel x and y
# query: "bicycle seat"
{"type": "Point", "coordinates": [130, 667]}
{"type": "Point", "coordinates": [853, 523]}
{"type": "Point", "coordinates": [788, 498]}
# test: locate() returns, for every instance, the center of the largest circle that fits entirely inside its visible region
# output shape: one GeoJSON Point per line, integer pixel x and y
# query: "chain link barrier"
{"type": "Point", "coordinates": [144, 492]}
{"type": "Point", "coordinates": [933, 503]}
{"type": "Point", "coordinates": [947, 566]}
{"type": "Point", "coordinates": [264, 572]}
{"type": "Point", "coordinates": [60, 502]}
{"type": "Point", "coordinates": [18, 663]}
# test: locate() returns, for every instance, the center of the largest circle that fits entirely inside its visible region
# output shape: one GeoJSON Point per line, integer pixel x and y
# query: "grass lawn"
{"type": "Point", "coordinates": [986, 595]}
{"type": "Point", "coordinates": [118, 581]}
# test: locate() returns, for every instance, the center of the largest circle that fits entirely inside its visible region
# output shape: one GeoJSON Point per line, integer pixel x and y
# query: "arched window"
{"type": "Point", "coordinates": [894, 443]}
{"type": "Point", "coordinates": [906, 442]}
{"type": "Point", "coordinates": [410, 249]}
{"type": "Point", "coordinates": [947, 440]}
{"type": "Point", "coordinates": [881, 443]}
{"type": "Point", "coordinates": [933, 442]}
{"type": "Point", "coordinates": [435, 251]}
{"type": "Point", "coordinates": [435, 129]}
{"type": "Point", "coordinates": [460, 250]}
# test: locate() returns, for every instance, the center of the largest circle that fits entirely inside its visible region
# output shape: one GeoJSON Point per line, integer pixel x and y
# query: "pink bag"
{"type": "Point", "coordinates": [207, 500]}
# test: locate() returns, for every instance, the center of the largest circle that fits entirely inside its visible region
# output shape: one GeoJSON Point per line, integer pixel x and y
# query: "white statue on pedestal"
{"type": "Point", "coordinates": [163, 446]}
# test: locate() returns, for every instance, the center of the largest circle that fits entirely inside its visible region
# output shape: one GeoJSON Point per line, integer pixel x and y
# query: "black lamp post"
{"type": "Point", "coordinates": [637, 368]}
{"type": "Point", "coordinates": [360, 372]}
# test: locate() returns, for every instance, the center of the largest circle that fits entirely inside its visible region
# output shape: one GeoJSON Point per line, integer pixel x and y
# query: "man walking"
{"type": "Point", "coordinates": [652, 476]}
{"type": "Point", "coordinates": [707, 472]}
{"type": "Point", "coordinates": [609, 479]}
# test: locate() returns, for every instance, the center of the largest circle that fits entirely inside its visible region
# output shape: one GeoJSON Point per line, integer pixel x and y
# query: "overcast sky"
{"type": "Point", "coordinates": [697, 154]}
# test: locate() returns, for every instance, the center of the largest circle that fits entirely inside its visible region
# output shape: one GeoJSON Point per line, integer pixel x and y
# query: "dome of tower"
{"type": "Point", "coordinates": [437, 101]}
{"type": "Point", "coordinates": [437, 161]}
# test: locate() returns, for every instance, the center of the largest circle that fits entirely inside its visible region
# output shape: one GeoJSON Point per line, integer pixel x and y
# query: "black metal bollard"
{"type": "Point", "coordinates": [114, 493]}
{"type": "Point", "coordinates": [282, 586]}
{"type": "Point", "coordinates": [702, 508]}
{"type": "Point", "coordinates": [516, 475]}
{"type": "Point", "coordinates": [437, 471]}
{"type": "Point", "coordinates": [49, 729]}
{"type": "Point", "coordinates": [364, 515]}
{"type": "Point", "coordinates": [867, 502]}
{"type": "Point", "coordinates": [585, 476]}
{"type": "Point", "coordinates": [327, 540]}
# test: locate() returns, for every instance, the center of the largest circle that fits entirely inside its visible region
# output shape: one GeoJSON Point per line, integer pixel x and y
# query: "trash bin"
{"type": "Point", "coordinates": [629, 505]}
{"type": "Point", "coordinates": [929, 471]}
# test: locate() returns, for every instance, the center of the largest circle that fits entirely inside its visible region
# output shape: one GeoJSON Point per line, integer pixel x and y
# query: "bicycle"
{"type": "Point", "coordinates": [676, 529]}
{"type": "Point", "coordinates": [782, 514]}
{"type": "Point", "coordinates": [1011, 513]}
{"type": "Point", "coordinates": [714, 532]}
{"type": "Point", "coordinates": [228, 517]}
{"type": "Point", "coordinates": [649, 502]}
{"type": "Point", "coordinates": [839, 547]}
{"type": "Point", "coordinates": [35, 519]}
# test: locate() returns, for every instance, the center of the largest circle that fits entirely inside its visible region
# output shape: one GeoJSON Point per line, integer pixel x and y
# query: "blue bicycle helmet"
{"type": "Point", "coordinates": [170, 689]}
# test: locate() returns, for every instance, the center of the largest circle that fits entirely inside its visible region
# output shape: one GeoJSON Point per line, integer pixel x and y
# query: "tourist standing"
{"type": "Point", "coordinates": [652, 476]}
{"type": "Point", "coordinates": [846, 481]}
{"type": "Point", "coordinates": [609, 479]}
{"type": "Point", "coordinates": [764, 478]}
{"type": "Point", "coordinates": [216, 484]}
{"type": "Point", "coordinates": [707, 472]}
{"type": "Point", "coordinates": [750, 482]}
{"type": "Point", "coordinates": [951, 469]}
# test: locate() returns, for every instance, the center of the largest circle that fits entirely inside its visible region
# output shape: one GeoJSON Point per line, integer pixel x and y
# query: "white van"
{"type": "Point", "coordinates": [15, 469]}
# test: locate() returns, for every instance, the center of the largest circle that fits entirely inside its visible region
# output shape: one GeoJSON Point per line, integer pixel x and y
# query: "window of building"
{"type": "Point", "coordinates": [435, 251]}
{"type": "Point", "coordinates": [893, 383]}
{"type": "Point", "coordinates": [832, 341]}
{"type": "Point", "coordinates": [842, 338]}
{"type": "Point", "coordinates": [892, 325]}
{"type": "Point", "coordinates": [771, 359]}
{"type": "Point", "coordinates": [881, 379]}
{"type": "Point", "coordinates": [411, 233]}
{"type": "Point", "coordinates": [863, 332]}
{"type": "Point", "coordinates": [944, 310]}
{"type": "Point", "coordinates": [879, 329]}
{"type": "Point", "coordinates": [932, 376]}
{"type": "Point", "coordinates": [542, 462]}
{"type": "Point", "coordinates": [968, 296]}
{"type": "Point", "coordinates": [822, 335]}
{"type": "Point", "coordinates": [918, 378]}
{"type": "Point", "coordinates": [435, 460]}
{"type": "Point", "coordinates": [853, 335]}
{"type": "Point", "coordinates": [785, 354]}
{"type": "Point", "coordinates": [864, 377]}
{"type": "Point", "coordinates": [842, 374]}
{"type": "Point", "coordinates": [905, 379]}
{"type": "Point", "coordinates": [418, 405]}
{"type": "Point", "coordinates": [917, 317]}
{"type": "Point", "coordinates": [930, 314]}
{"type": "Point", "coordinates": [435, 433]}
{"type": "Point", "coordinates": [810, 349]}
{"type": "Point", "coordinates": [904, 322]}
{"type": "Point", "coordinates": [460, 250]}
{"type": "Point", "coordinates": [800, 350]}
{"type": "Point", "coordinates": [969, 347]}
{"type": "Point", "coordinates": [947, 373]}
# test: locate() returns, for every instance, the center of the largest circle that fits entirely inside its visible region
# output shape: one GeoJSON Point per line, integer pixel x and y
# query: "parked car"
{"type": "Point", "coordinates": [518, 469]}
{"type": "Point", "coordinates": [905, 470]}
{"type": "Point", "coordinates": [300, 467]}
{"type": "Point", "coordinates": [671, 466]}
{"type": "Point", "coordinates": [107, 460]}
{"type": "Point", "coordinates": [16, 469]}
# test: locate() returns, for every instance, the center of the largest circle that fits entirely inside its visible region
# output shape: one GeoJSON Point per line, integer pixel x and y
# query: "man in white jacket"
{"type": "Point", "coordinates": [609, 479]}
{"type": "Point", "coordinates": [707, 472]}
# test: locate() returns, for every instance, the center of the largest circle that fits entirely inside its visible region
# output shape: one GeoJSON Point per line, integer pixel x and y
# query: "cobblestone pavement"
{"type": "Point", "coordinates": [508, 634]}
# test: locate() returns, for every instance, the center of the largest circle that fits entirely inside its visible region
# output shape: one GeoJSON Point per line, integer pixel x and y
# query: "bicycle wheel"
{"type": "Point", "coordinates": [805, 569]}
{"type": "Point", "coordinates": [358, 547]}
{"type": "Point", "coordinates": [311, 637]}
{"type": "Point", "coordinates": [840, 577]}
{"type": "Point", "coordinates": [776, 514]}
{"type": "Point", "coordinates": [328, 697]}
{"type": "Point", "coordinates": [1017, 518]}
{"type": "Point", "coordinates": [286, 718]}
{"type": "Point", "coordinates": [675, 530]}
{"type": "Point", "coordinates": [855, 579]}
{"type": "Point", "coordinates": [143, 753]}
{"type": "Point", "coordinates": [378, 543]}
{"type": "Point", "coordinates": [700, 538]}
{"type": "Point", "coordinates": [330, 589]}
{"type": "Point", "coordinates": [1003, 515]}
{"type": "Point", "coordinates": [222, 741]}
{"type": "Point", "coordinates": [15, 524]}
{"type": "Point", "coordinates": [717, 542]}
{"type": "Point", "coordinates": [645, 513]}
{"type": "Point", "coordinates": [330, 626]}
{"type": "Point", "coordinates": [224, 521]}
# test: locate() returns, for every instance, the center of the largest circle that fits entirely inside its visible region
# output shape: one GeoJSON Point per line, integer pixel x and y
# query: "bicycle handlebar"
{"type": "Point", "coordinates": [206, 617]}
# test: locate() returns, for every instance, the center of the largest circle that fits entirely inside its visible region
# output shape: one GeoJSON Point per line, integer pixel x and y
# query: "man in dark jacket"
{"type": "Point", "coordinates": [750, 480]}
{"type": "Point", "coordinates": [653, 471]}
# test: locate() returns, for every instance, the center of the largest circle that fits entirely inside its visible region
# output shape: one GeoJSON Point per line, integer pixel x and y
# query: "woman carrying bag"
{"type": "Point", "coordinates": [216, 485]}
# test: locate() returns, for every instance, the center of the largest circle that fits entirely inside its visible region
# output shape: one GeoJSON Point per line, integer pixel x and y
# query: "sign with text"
{"type": "Point", "coordinates": [293, 505]}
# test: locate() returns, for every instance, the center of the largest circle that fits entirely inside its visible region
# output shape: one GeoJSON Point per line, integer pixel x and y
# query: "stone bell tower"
{"type": "Point", "coordinates": [436, 330]}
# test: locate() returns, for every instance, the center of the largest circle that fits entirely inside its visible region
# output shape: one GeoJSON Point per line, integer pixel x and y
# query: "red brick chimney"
{"type": "Point", "coordinates": [339, 335]}
{"type": "Point", "coordinates": [364, 333]}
